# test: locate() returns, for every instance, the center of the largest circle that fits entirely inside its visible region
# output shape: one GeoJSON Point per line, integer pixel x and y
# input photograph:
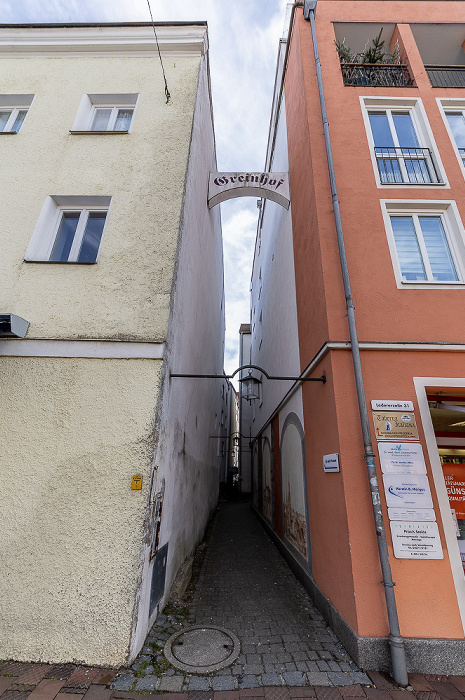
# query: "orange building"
{"type": "Point", "coordinates": [369, 118]}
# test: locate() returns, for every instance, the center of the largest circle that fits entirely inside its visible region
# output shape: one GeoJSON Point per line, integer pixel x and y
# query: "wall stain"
{"type": "Point", "coordinates": [295, 529]}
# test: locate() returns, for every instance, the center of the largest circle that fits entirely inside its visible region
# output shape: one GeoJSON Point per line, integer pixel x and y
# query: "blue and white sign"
{"type": "Point", "coordinates": [407, 491]}
{"type": "Point", "coordinates": [401, 458]}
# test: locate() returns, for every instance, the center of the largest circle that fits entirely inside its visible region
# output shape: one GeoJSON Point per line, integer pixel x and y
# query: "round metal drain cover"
{"type": "Point", "coordinates": [202, 649]}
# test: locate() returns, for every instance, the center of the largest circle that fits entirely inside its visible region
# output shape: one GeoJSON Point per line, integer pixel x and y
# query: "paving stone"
{"type": "Point", "coordinates": [201, 695]}
{"type": "Point", "coordinates": [104, 677]}
{"type": "Point", "coordinates": [255, 669]}
{"type": "Point", "coordinates": [271, 679]}
{"type": "Point", "coordinates": [199, 683]}
{"type": "Point", "coordinates": [294, 678]}
{"type": "Point", "coordinates": [459, 682]}
{"type": "Point", "coordinates": [302, 692]}
{"type": "Point", "coordinates": [173, 683]}
{"type": "Point", "coordinates": [377, 694]}
{"type": "Point", "coordinates": [66, 696]}
{"type": "Point", "coordinates": [46, 690]}
{"type": "Point", "coordinates": [252, 693]}
{"type": "Point", "coordinates": [60, 671]}
{"type": "Point", "coordinates": [339, 678]}
{"type": "Point", "coordinates": [6, 682]}
{"type": "Point", "coordinates": [248, 681]}
{"type": "Point", "coordinates": [328, 693]}
{"type": "Point", "coordinates": [23, 687]}
{"type": "Point", "coordinates": [291, 666]}
{"type": "Point", "coordinates": [82, 678]}
{"type": "Point", "coordinates": [360, 677]}
{"type": "Point", "coordinates": [353, 691]}
{"type": "Point", "coordinates": [14, 695]}
{"type": "Point", "coordinates": [384, 682]}
{"type": "Point", "coordinates": [318, 678]}
{"type": "Point", "coordinates": [253, 659]}
{"type": "Point", "coordinates": [123, 682]}
{"type": "Point", "coordinates": [146, 684]}
{"type": "Point", "coordinates": [277, 694]}
{"type": "Point", "coordinates": [282, 658]}
{"type": "Point", "coordinates": [323, 666]}
{"type": "Point", "coordinates": [223, 683]}
{"type": "Point", "coordinates": [446, 690]}
{"type": "Point", "coordinates": [34, 674]}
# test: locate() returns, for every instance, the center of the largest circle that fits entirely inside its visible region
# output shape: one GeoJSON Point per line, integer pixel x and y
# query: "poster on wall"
{"type": "Point", "coordinates": [401, 458]}
{"type": "Point", "coordinates": [454, 477]}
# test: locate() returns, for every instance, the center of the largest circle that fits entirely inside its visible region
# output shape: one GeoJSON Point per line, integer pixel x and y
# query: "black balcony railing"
{"type": "Point", "coordinates": [446, 76]}
{"type": "Point", "coordinates": [462, 154]}
{"type": "Point", "coordinates": [376, 74]}
{"type": "Point", "coordinates": [406, 166]}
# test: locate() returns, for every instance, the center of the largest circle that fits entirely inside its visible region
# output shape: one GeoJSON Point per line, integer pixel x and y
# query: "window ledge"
{"type": "Point", "coordinates": [432, 285]}
{"type": "Point", "coordinates": [97, 132]}
{"type": "Point", "coordinates": [8, 133]}
{"type": "Point", "coordinates": [59, 262]}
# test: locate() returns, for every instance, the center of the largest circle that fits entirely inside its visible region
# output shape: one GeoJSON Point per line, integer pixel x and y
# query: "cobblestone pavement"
{"type": "Point", "coordinates": [287, 651]}
{"type": "Point", "coordinates": [246, 587]}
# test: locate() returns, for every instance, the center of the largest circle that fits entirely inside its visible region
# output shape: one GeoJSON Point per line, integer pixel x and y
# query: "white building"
{"type": "Point", "coordinates": [110, 253]}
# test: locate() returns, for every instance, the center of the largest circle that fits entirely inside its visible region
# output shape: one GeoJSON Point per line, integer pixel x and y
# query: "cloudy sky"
{"type": "Point", "coordinates": [244, 37]}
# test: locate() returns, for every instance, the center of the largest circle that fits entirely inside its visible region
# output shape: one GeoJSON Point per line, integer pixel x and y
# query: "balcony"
{"type": "Point", "coordinates": [446, 76]}
{"type": "Point", "coordinates": [376, 75]}
{"type": "Point", "coordinates": [406, 166]}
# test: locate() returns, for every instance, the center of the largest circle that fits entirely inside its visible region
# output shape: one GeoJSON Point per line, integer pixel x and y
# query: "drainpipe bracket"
{"type": "Point", "coordinates": [309, 6]}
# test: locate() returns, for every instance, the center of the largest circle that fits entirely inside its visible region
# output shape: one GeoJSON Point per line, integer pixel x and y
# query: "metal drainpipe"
{"type": "Point", "coordinates": [398, 660]}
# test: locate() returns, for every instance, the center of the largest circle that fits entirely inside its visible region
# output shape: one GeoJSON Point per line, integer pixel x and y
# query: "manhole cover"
{"type": "Point", "coordinates": [202, 649]}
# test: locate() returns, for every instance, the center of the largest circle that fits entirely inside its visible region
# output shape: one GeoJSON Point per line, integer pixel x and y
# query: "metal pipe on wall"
{"type": "Point", "coordinates": [396, 643]}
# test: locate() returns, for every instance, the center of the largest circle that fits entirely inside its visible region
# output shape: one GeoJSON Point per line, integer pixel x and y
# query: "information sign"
{"type": "Point", "coordinates": [401, 458]}
{"type": "Point", "coordinates": [407, 490]}
{"type": "Point", "coordinates": [331, 463]}
{"type": "Point", "coordinates": [392, 405]}
{"type": "Point", "coordinates": [413, 540]}
{"type": "Point", "coordinates": [395, 426]}
{"type": "Point", "coordinates": [414, 514]}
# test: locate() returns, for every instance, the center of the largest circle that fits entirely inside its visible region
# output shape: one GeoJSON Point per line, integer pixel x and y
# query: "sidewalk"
{"type": "Point", "coordinates": [286, 649]}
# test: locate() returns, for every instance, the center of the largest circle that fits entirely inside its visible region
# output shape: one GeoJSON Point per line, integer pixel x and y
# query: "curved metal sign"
{"type": "Point", "coordinates": [274, 186]}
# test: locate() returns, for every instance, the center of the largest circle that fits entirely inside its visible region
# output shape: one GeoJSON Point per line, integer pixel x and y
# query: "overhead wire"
{"type": "Point", "coordinates": [167, 92]}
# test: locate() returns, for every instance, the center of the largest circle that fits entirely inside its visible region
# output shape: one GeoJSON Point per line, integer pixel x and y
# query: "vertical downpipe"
{"type": "Point", "coordinates": [396, 643]}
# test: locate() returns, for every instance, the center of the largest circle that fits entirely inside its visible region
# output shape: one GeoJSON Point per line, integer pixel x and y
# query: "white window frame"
{"type": "Point", "coordinates": [423, 130]}
{"type": "Point", "coordinates": [452, 105]}
{"type": "Point", "coordinates": [453, 228]}
{"type": "Point", "coordinates": [15, 103]}
{"type": "Point", "coordinates": [91, 102]}
{"type": "Point", "coordinates": [45, 233]}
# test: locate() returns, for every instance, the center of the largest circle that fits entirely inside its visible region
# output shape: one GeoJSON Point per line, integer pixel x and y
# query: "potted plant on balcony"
{"type": "Point", "coordinates": [364, 68]}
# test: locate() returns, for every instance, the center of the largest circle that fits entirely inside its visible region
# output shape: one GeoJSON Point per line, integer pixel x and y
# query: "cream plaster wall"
{"type": "Point", "coordinates": [128, 290]}
{"type": "Point", "coordinates": [70, 525]}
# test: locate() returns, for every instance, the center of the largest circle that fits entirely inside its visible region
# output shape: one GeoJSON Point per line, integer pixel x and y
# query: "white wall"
{"type": "Point", "coordinates": [187, 456]}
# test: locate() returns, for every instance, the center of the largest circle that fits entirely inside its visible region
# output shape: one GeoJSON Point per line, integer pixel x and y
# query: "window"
{"type": "Point", "coordinates": [456, 121]}
{"type": "Point", "coordinates": [426, 241]}
{"type": "Point", "coordinates": [401, 143]}
{"type": "Point", "coordinates": [105, 114]}
{"type": "Point", "coordinates": [69, 230]}
{"type": "Point", "coordinates": [13, 110]}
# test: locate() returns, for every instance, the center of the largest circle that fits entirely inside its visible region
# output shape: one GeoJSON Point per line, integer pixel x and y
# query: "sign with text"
{"type": "Point", "coordinates": [274, 186]}
{"type": "Point", "coordinates": [392, 405]}
{"type": "Point", "coordinates": [418, 514]}
{"type": "Point", "coordinates": [416, 540]}
{"type": "Point", "coordinates": [454, 477]}
{"type": "Point", "coordinates": [395, 426]}
{"type": "Point", "coordinates": [407, 490]}
{"type": "Point", "coordinates": [331, 463]}
{"type": "Point", "coordinates": [401, 458]}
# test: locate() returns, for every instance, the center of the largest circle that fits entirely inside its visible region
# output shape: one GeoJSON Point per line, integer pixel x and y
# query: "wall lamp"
{"type": "Point", "coordinates": [12, 326]}
{"type": "Point", "coordinates": [250, 383]}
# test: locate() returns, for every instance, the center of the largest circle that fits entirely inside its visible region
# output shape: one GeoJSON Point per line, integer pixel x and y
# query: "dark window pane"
{"type": "Point", "coordinates": [92, 237]}
{"type": "Point", "coordinates": [65, 236]}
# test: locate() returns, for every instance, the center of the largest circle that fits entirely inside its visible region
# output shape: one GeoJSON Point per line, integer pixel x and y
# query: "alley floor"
{"type": "Point", "coordinates": [286, 649]}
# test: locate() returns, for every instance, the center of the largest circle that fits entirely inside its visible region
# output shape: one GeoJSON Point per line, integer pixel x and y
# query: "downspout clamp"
{"type": "Point", "coordinates": [396, 643]}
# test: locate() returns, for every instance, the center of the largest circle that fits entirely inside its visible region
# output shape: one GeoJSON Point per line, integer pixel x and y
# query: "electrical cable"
{"type": "Point", "coordinates": [167, 92]}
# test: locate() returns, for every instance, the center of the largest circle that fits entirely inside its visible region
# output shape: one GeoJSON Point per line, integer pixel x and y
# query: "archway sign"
{"type": "Point", "coordinates": [274, 186]}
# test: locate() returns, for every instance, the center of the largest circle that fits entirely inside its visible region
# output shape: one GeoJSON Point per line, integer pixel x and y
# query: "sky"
{"type": "Point", "coordinates": [244, 39]}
